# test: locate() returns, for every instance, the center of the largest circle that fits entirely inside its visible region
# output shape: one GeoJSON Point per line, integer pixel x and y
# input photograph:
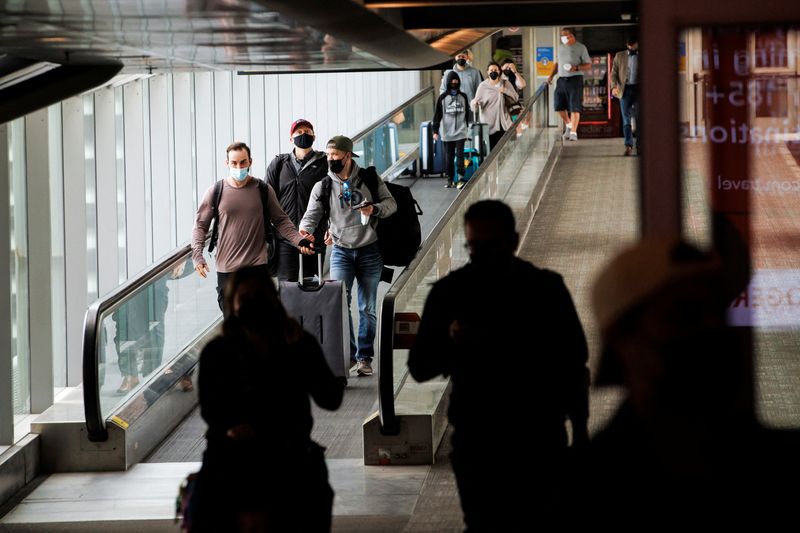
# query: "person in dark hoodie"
{"type": "Point", "coordinates": [292, 176]}
{"type": "Point", "coordinates": [450, 122]}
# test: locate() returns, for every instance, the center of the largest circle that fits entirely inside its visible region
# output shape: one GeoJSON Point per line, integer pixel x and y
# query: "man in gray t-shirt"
{"type": "Point", "coordinates": [573, 59]}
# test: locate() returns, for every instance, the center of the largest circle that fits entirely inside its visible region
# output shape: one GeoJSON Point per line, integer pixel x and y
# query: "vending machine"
{"type": "Point", "coordinates": [600, 117]}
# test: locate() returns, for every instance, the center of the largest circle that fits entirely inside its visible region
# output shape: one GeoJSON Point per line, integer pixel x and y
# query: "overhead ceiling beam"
{"type": "Point", "coordinates": [51, 87]}
{"type": "Point", "coordinates": [353, 23]}
{"type": "Point", "coordinates": [517, 14]}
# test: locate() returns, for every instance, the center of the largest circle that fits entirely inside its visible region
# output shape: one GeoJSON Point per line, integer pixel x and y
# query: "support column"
{"type": "Point", "coordinates": [545, 46]}
{"type": "Point", "coordinates": [40, 294]}
{"type": "Point", "coordinates": [75, 230]}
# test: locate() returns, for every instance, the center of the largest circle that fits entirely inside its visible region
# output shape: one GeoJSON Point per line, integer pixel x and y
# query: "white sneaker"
{"type": "Point", "coordinates": [573, 136]}
{"type": "Point", "coordinates": [567, 132]}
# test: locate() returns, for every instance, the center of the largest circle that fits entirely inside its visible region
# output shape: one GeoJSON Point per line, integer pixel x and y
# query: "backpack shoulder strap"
{"type": "Point", "coordinates": [370, 178]}
{"type": "Point", "coordinates": [325, 194]}
{"type": "Point", "coordinates": [217, 196]}
{"type": "Point", "coordinates": [263, 189]}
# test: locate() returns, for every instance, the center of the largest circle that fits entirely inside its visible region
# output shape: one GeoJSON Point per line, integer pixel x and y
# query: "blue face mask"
{"type": "Point", "coordinates": [239, 174]}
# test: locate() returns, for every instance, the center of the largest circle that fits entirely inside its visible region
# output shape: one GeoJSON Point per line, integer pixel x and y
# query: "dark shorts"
{"type": "Point", "coordinates": [569, 94]}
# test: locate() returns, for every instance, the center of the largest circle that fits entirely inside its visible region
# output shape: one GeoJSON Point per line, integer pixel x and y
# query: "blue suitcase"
{"type": "Point", "coordinates": [472, 161]}
{"type": "Point", "coordinates": [431, 154]}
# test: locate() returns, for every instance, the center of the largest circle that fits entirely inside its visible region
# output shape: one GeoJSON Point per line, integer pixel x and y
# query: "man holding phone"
{"type": "Point", "coordinates": [344, 198]}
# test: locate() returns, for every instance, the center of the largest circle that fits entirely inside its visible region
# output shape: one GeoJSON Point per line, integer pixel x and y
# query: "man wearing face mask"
{"type": "Point", "coordinates": [292, 176]}
{"type": "Point", "coordinates": [470, 76]}
{"type": "Point", "coordinates": [241, 221]}
{"type": "Point", "coordinates": [625, 86]}
{"type": "Point", "coordinates": [573, 59]}
{"type": "Point", "coordinates": [345, 199]}
{"type": "Point", "coordinates": [472, 322]}
{"type": "Point", "coordinates": [450, 122]}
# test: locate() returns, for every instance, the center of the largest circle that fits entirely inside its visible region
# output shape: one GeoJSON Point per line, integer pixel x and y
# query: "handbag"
{"type": "Point", "coordinates": [513, 106]}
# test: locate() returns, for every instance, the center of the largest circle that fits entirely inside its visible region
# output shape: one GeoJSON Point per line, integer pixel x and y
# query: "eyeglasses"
{"type": "Point", "coordinates": [346, 195]}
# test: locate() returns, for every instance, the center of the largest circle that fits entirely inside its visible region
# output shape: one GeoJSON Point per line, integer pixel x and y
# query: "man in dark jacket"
{"type": "Point", "coordinates": [292, 176]}
{"type": "Point", "coordinates": [451, 122]}
{"type": "Point", "coordinates": [509, 428]}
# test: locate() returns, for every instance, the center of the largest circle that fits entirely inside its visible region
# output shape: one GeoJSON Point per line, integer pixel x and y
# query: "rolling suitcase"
{"type": "Point", "coordinates": [431, 153]}
{"type": "Point", "coordinates": [472, 161]}
{"type": "Point", "coordinates": [479, 133]}
{"type": "Point", "coordinates": [321, 308]}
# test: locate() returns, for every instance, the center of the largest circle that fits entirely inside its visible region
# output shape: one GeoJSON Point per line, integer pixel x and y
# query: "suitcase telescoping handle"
{"type": "Point", "coordinates": [301, 279]}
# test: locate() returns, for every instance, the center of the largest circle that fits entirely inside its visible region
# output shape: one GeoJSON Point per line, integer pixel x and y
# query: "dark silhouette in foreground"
{"type": "Point", "coordinates": [508, 335]}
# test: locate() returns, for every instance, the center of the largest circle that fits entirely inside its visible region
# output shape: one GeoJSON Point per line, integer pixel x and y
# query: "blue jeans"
{"type": "Point", "coordinates": [629, 107]}
{"type": "Point", "coordinates": [365, 265]}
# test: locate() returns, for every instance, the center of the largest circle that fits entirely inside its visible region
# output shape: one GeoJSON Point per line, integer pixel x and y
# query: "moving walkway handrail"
{"type": "Point", "coordinates": [386, 392]}
{"type": "Point", "coordinates": [95, 422]}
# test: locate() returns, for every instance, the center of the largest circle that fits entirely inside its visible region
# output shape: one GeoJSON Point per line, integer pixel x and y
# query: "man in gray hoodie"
{"type": "Point", "coordinates": [344, 198]}
{"type": "Point", "coordinates": [450, 122]}
{"type": "Point", "coordinates": [469, 75]}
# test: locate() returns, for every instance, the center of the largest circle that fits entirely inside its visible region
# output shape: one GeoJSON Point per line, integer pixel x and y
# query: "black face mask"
{"type": "Point", "coordinates": [632, 52]}
{"type": "Point", "coordinates": [494, 75]}
{"type": "Point", "coordinates": [336, 165]}
{"type": "Point", "coordinates": [461, 62]}
{"type": "Point", "coordinates": [454, 88]}
{"type": "Point", "coordinates": [303, 140]}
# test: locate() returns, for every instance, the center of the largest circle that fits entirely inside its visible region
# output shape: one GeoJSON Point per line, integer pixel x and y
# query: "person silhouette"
{"type": "Point", "coordinates": [260, 459]}
{"type": "Point", "coordinates": [508, 335]}
{"type": "Point", "coordinates": [682, 446]}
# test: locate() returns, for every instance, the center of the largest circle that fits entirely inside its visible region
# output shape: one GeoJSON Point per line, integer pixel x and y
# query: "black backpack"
{"type": "Point", "coordinates": [272, 245]}
{"type": "Point", "coordinates": [399, 235]}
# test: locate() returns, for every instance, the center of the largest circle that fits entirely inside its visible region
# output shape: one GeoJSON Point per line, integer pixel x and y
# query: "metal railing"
{"type": "Point", "coordinates": [416, 276]}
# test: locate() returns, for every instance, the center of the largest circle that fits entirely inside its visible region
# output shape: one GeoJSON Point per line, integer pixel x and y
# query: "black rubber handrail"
{"type": "Point", "coordinates": [386, 393]}
{"type": "Point", "coordinates": [95, 423]}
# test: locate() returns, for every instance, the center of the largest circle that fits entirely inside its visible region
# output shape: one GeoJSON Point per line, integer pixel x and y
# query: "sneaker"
{"type": "Point", "coordinates": [573, 136]}
{"type": "Point", "coordinates": [628, 151]}
{"type": "Point", "coordinates": [364, 368]}
{"type": "Point", "coordinates": [460, 185]}
{"type": "Point", "coordinates": [566, 133]}
{"type": "Point", "coordinates": [449, 184]}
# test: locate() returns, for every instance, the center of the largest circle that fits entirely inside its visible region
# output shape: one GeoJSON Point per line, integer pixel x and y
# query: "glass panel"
{"type": "Point", "coordinates": [448, 251]}
{"type": "Point", "coordinates": [771, 48]}
{"type": "Point", "coordinates": [141, 337]}
{"type": "Point", "coordinates": [57, 268]}
{"type": "Point", "coordinates": [741, 160]}
{"type": "Point", "coordinates": [396, 137]}
{"type": "Point", "coordinates": [20, 350]}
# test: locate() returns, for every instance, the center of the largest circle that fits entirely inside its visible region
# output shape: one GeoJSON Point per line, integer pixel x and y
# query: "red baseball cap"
{"type": "Point", "coordinates": [300, 122]}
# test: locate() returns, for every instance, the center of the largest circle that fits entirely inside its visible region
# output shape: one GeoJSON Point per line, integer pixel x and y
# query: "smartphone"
{"type": "Point", "coordinates": [363, 204]}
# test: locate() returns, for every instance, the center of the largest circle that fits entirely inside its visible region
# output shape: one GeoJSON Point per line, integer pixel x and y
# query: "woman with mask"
{"type": "Point", "coordinates": [292, 176]}
{"type": "Point", "coordinates": [260, 459]}
{"type": "Point", "coordinates": [450, 122]}
{"type": "Point", "coordinates": [491, 99]}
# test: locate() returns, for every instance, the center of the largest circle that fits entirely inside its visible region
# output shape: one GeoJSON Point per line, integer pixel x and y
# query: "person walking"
{"type": "Point", "coordinates": [474, 318]}
{"type": "Point", "coordinates": [491, 99]}
{"type": "Point", "coordinates": [625, 86]}
{"type": "Point", "coordinates": [451, 122]}
{"type": "Point", "coordinates": [573, 60]}
{"type": "Point", "coordinates": [242, 215]}
{"type": "Point", "coordinates": [292, 176]}
{"type": "Point", "coordinates": [470, 76]}
{"type": "Point", "coordinates": [345, 199]}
